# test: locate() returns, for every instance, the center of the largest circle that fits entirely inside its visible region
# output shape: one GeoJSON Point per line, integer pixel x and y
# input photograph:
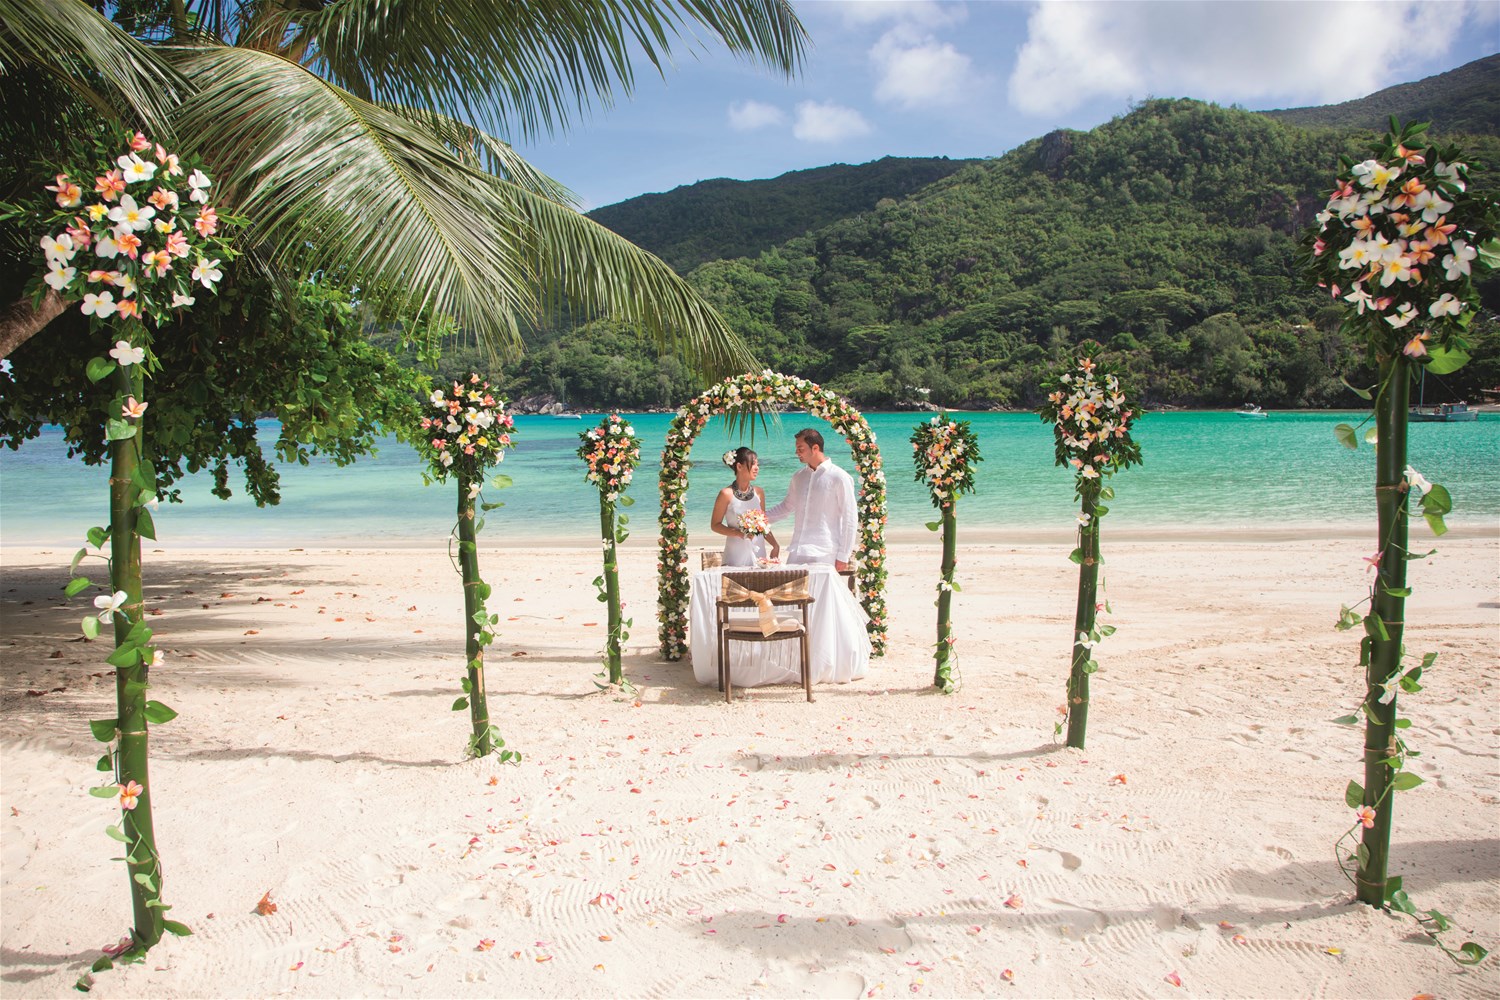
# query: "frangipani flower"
{"type": "Point", "coordinates": [1457, 262]}
{"type": "Point", "coordinates": [108, 604]}
{"type": "Point", "coordinates": [206, 272]}
{"type": "Point", "coordinates": [1446, 305]}
{"type": "Point", "coordinates": [1405, 313]}
{"type": "Point", "coordinates": [129, 213]}
{"type": "Point", "coordinates": [1415, 480]}
{"type": "Point", "coordinates": [1374, 560]}
{"type": "Point", "coordinates": [126, 355]}
{"type": "Point", "coordinates": [59, 248]}
{"type": "Point", "coordinates": [199, 182]}
{"type": "Point", "coordinates": [134, 169]}
{"type": "Point", "coordinates": [60, 277]}
{"type": "Point", "coordinates": [101, 305]}
{"type": "Point", "coordinates": [68, 193]}
{"type": "Point", "coordinates": [180, 301]}
{"type": "Point", "coordinates": [1366, 816]}
{"type": "Point", "coordinates": [133, 408]}
{"type": "Point", "coordinates": [1416, 347]}
{"type": "Point", "coordinates": [130, 794]}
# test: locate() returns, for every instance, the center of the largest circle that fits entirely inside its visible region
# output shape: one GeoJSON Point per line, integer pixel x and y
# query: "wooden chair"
{"type": "Point", "coordinates": [746, 628]}
{"type": "Point", "coordinates": [849, 578]}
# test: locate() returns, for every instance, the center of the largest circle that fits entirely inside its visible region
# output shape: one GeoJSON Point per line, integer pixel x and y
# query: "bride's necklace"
{"type": "Point", "coordinates": [749, 494]}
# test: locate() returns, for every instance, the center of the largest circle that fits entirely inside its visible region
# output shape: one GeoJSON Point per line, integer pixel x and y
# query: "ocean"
{"type": "Point", "coordinates": [1202, 471]}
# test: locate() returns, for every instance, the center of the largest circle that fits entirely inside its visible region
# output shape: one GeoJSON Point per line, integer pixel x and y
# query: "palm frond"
{"type": "Point", "coordinates": [525, 68]}
{"type": "Point", "coordinates": [496, 156]}
{"type": "Point", "coordinates": [97, 61]}
{"type": "Point", "coordinates": [331, 181]}
{"type": "Point", "coordinates": [588, 268]}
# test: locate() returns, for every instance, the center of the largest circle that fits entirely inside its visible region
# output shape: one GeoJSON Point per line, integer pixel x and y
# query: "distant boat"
{"type": "Point", "coordinates": [1439, 413]}
{"type": "Point", "coordinates": [568, 416]}
{"type": "Point", "coordinates": [1250, 410]}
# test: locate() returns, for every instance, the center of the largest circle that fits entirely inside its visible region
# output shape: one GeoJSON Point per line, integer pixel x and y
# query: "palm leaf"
{"type": "Point", "coordinates": [526, 66]}
{"type": "Point", "coordinates": [97, 61]}
{"type": "Point", "coordinates": [484, 151]}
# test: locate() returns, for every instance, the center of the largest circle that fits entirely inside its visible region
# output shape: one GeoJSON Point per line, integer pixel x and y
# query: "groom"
{"type": "Point", "coordinates": [821, 499]}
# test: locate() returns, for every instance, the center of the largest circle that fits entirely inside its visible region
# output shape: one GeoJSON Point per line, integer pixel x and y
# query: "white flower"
{"type": "Point", "coordinates": [199, 182]}
{"type": "Point", "coordinates": [135, 169]}
{"type": "Point", "coordinates": [1084, 640]}
{"type": "Point", "coordinates": [1417, 481]}
{"type": "Point", "coordinates": [1404, 315]}
{"type": "Point", "coordinates": [1084, 518]}
{"type": "Point", "coordinates": [59, 277]}
{"type": "Point", "coordinates": [1447, 305]}
{"type": "Point", "coordinates": [129, 215]}
{"type": "Point", "coordinates": [207, 272]}
{"type": "Point", "coordinates": [180, 301]}
{"type": "Point", "coordinates": [101, 305]}
{"type": "Point", "coordinates": [1457, 262]}
{"type": "Point", "coordinates": [124, 353]}
{"type": "Point", "coordinates": [108, 605]}
{"type": "Point", "coordinates": [437, 399]}
{"type": "Point", "coordinates": [158, 658]}
{"type": "Point", "coordinates": [728, 458]}
{"type": "Point", "coordinates": [105, 246]}
{"type": "Point", "coordinates": [58, 248]}
{"type": "Point", "coordinates": [447, 459]}
{"type": "Point", "coordinates": [474, 490]}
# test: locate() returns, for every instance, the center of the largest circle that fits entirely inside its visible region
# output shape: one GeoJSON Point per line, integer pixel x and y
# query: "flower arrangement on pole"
{"type": "Point", "coordinates": [1091, 414]}
{"type": "Point", "coordinates": [741, 394]}
{"type": "Point", "coordinates": [135, 244]}
{"type": "Point", "coordinates": [1398, 246]}
{"type": "Point", "coordinates": [945, 453]}
{"type": "Point", "coordinates": [611, 452]}
{"type": "Point", "coordinates": [466, 433]}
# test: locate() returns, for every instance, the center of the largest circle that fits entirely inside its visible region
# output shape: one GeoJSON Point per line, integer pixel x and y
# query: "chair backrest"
{"type": "Point", "coordinates": [762, 580]}
{"type": "Point", "coordinates": [712, 559]}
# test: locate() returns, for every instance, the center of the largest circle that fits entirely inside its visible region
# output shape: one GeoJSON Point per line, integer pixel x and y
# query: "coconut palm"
{"type": "Point", "coordinates": [362, 135]}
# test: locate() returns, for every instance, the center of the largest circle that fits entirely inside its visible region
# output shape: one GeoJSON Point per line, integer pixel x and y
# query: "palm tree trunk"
{"type": "Point", "coordinates": [943, 676]}
{"type": "Point", "coordinates": [1083, 618]}
{"type": "Point", "coordinates": [1386, 622]}
{"type": "Point", "coordinates": [468, 566]}
{"type": "Point", "coordinates": [142, 860]}
{"type": "Point", "coordinates": [21, 320]}
{"type": "Point", "coordinates": [611, 589]}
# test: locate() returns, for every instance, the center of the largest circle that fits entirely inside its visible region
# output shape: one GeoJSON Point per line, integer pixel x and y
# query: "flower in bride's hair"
{"type": "Point", "coordinates": [728, 458]}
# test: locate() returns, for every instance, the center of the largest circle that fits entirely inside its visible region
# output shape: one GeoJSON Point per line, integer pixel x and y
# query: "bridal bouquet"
{"type": "Point", "coordinates": [753, 523]}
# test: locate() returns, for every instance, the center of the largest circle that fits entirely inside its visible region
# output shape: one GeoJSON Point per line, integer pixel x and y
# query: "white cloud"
{"type": "Point", "coordinates": [1258, 53]}
{"type": "Point", "coordinates": [825, 121]}
{"type": "Point", "coordinates": [745, 116]}
{"type": "Point", "coordinates": [927, 13]}
{"type": "Point", "coordinates": [916, 70]}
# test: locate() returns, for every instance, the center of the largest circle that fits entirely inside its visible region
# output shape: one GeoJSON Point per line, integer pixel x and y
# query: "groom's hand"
{"type": "Point", "coordinates": [840, 565]}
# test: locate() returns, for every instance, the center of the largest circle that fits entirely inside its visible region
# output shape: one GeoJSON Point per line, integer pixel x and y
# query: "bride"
{"type": "Point", "coordinates": [734, 501]}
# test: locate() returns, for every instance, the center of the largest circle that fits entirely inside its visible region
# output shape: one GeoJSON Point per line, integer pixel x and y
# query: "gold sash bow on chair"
{"type": "Point", "coordinates": [796, 590]}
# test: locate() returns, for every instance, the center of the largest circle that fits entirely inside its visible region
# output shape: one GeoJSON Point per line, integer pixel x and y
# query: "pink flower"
{"type": "Point", "coordinates": [111, 185]}
{"type": "Point", "coordinates": [68, 193]}
{"type": "Point", "coordinates": [133, 409]}
{"type": "Point", "coordinates": [130, 793]}
{"type": "Point", "coordinates": [177, 245]}
{"type": "Point", "coordinates": [139, 142]}
{"type": "Point", "coordinates": [1415, 347]}
{"type": "Point", "coordinates": [164, 200]}
{"type": "Point", "coordinates": [1374, 560]}
{"type": "Point", "coordinates": [129, 308]}
{"type": "Point", "coordinates": [129, 244]}
{"type": "Point", "coordinates": [207, 222]}
{"type": "Point", "coordinates": [1366, 816]}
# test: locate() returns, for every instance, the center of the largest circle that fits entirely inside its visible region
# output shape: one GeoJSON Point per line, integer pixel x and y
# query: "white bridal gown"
{"type": "Point", "coordinates": [739, 550]}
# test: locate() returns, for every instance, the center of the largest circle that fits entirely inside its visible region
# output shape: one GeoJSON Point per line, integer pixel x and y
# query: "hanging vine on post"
{"type": "Point", "coordinates": [468, 435]}
{"type": "Point", "coordinates": [945, 453]}
{"type": "Point", "coordinates": [132, 248]}
{"type": "Point", "coordinates": [1091, 415]}
{"type": "Point", "coordinates": [611, 453]}
{"type": "Point", "coordinates": [1397, 247]}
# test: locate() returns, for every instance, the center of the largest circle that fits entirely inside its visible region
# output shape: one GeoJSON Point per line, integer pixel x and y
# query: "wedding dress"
{"type": "Point", "coordinates": [739, 550]}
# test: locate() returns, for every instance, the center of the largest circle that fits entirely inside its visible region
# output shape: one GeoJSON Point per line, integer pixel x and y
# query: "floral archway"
{"type": "Point", "coordinates": [737, 394]}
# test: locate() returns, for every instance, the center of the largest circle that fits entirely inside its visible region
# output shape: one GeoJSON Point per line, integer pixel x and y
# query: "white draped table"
{"type": "Point", "coordinates": [838, 643]}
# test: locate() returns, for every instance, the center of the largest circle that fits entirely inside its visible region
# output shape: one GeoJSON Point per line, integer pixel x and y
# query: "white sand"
{"type": "Point", "coordinates": [885, 840]}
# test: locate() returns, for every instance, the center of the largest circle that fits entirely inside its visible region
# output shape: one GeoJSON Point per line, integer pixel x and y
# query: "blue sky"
{"type": "Point", "coordinates": [974, 79]}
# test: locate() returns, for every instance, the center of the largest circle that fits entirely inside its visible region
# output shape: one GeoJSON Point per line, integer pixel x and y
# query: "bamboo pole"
{"type": "Point", "coordinates": [468, 563]}
{"type": "Point", "coordinates": [1084, 616]}
{"type": "Point", "coordinates": [1386, 623]}
{"type": "Point", "coordinates": [142, 861]}
{"type": "Point", "coordinates": [943, 676]}
{"type": "Point", "coordinates": [611, 589]}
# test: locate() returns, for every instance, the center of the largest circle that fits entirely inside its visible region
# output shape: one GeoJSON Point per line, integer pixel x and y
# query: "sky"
{"type": "Point", "coordinates": [975, 79]}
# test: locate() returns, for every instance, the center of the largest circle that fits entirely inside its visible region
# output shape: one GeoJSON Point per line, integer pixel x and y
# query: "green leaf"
{"type": "Point", "coordinates": [1396, 591]}
{"type": "Point", "coordinates": [1100, 510]}
{"type": "Point", "coordinates": [102, 964]}
{"type": "Point", "coordinates": [492, 505]}
{"type": "Point", "coordinates": [1354, 795]}
{"type": "Point", "coordinates": [145, 525]}
{"type": "Point", "coordinates": [115, 833]}
{"type": "Point", "coordinates": [1363, 856]}
{"type": "Point", "coordinates": [97, 537]}
{"type": "Point", "coordinates": [483, 590]}
{"type": "Point", "coordinates": [127, 655]}
{"type": "Point", "coordinates": [1437, 500]}
{"type": "Point", "coordinates": [466, 685]}
{"type": "Point", "coordinates": [462, 703]}
{"type": "Point", "coordinates": [78, 557]}
{"type": "Point", "coordinates": [104, 792]}
{"type": "Point", "coordinates": [177, 927]}
{"type": "Point", "coordinates": [502, 482]}
{"type": "Point", "coordinates": [1405, 780]}
{"type": "Point", "coordinates": [1392, 885]}
{"type": "Point", "coordinates": [1372, 436]}
{"type": "Point", "coordinates": [1472, 953]}
{"type": "Point", "coordinates": [144, 878]}
{"type": "Point", "coordinates": [1400, 901]}
{"type": "Point", "coordinates": [934, 525]}
{"type": "Point", "coordinates": [104, 763]}
{"type": "Point", "coordinates": [1436, 524]}
{"type": "Point", "coordinates": [1106, 493]}
{"type": "Point", "coordinates": [1345, 435]}
{"type": "Point", "coordinates": [90, 627]}
{"type": "Point", "coordinates": [1402, 723]}
{"type": "Point", "coordinates": [116, 429]}
{"type": "Point", "coordinates": [1361, 393]}
{"type": "Point", "coordinates": [1347, 720]}
{"type": "Point", "coordinates": [104, 729]}
{"type": "Point", "coordinates": [1446, 359]}
{"type": "Point", "coordinates": [78, 583]}
{"type": "Point", "coordinates": [98, 369]}
{"type": "Point", "coordinates": [481, 617]}
{"type": "Point", "coordinates": [1076, 556]}
{"type": "Point", "coordinates": [1412, 556]}
{"type": "Point", "coordinates": [625, 501]}
{"type": "Point", "coordinates": [157, 713]}
{"type": "Point", "coordinates": [1438, 920]}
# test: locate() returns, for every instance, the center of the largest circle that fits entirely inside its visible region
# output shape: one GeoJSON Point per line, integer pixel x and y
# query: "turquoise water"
{"type": "Point", "coordinates": [1207, 469]}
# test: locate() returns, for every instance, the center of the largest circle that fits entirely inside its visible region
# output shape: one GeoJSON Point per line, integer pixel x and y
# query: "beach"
{"type": "Point", "coordinates": [884, 840]}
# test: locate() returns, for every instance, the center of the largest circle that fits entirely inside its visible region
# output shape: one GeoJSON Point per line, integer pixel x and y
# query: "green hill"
{"type": "Point", "coordinates": [722, 218]}
{"type": "Point", "coordinates": [1466, 99]}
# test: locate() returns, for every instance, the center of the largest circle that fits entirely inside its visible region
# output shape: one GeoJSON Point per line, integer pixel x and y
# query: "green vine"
{"type": "Point", "coordinates": [945, 453]}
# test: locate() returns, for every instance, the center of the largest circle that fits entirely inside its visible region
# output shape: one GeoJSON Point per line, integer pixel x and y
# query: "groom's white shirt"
{"type": "Point", "coordinates": [822, 501]}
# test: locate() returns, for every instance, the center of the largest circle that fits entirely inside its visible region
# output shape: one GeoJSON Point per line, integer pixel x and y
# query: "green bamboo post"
{"type": "Point", "coordinates": [611, 589]}
{"type": "Point", "coordinates": [142, 861]}
{"type": "Point", "coordinates": [943, 676]}
{"type": "Point", "coordinates": [1084, 616]}
{"type": "Point", "coordinates": [1387, 623]}
{"type": "Point", "coordinates": [474, 595]}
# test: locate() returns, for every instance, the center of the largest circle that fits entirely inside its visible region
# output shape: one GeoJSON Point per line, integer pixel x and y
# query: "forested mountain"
{"type": "Point", "coordinates": [1168, 234]}
{"type": "Point", "coordinates": [1466, 99]}
{"type": "Point", "coordinates": [722, 218]}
